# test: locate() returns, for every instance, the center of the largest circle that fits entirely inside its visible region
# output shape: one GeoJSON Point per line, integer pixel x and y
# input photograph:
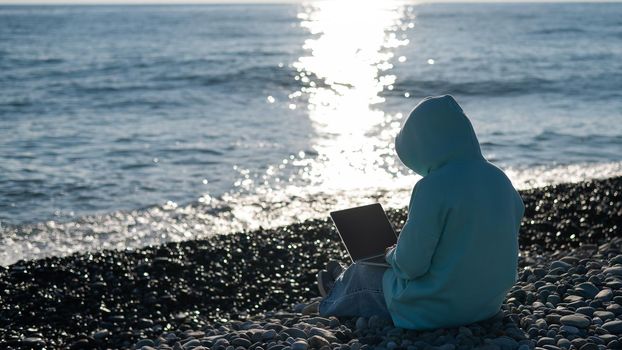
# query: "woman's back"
{"type": "Point", "coordinates": [457, 254]}
{"type": "Point", "coordinates": [475, 259]}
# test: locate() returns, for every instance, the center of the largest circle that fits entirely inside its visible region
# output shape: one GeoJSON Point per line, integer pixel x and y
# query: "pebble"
{"type": "Point", "coordinates": [575, 320]}
{"type": "Point", "coordinates": [295, 333]}
{"type": "Point", "coordinates": [300, 345]}
{"type": "Point", "coordinates": [361, 323]}
{"type": "Point", "coordinates": [586, 310]}
{"type": "Point", "coordinates": [613, 271]}
{"type": "Point", "coordinates": [318, 342]}
{"type": "Point", "coordinates": [546, 341]}
{"type": "Point", "coordinates": [326, 334]}
{"type": "Point", "coordinates": [613, 327]}
{"type": "Point", "coordinates": [587, 290]}
{"type": "Point", "coordinates": [558, 264]}
{"type": "Point", "coordinates": [144, 342]}
{"type": "Point", "coordinates": [604, 315]}
{"type": "Point", "coordinates": [505, 343]}
{"type": "Point", "coordinates": [604, 295]}
{"type": "Point", "coordinates": [589, 346]}
{"type": "Point", "coordinates": [569, 329]}
{"type": "Point", "coordinates": [245, 343]}
{"type": "Point", "coordinates": [250, 302]}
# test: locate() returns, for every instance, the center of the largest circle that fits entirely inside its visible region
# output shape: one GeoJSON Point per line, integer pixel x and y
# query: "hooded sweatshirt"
{"type": "Point", "coordinates": [457, 254]}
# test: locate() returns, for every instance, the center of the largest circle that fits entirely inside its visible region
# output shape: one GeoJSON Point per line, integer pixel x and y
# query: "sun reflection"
{"type": "Point", "coordinates": [347, 67]}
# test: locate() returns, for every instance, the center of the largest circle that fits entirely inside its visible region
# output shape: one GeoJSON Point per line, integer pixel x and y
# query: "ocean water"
{"type": "Point", "coordinates": [123, 126]}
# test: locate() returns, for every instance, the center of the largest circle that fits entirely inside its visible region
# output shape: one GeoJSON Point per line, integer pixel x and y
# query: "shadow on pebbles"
{"type": "Point", "coordinates": [246, 290]}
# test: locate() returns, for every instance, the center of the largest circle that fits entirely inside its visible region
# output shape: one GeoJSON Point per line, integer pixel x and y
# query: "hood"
{"type": "Point", "coordinates": [436, 132]}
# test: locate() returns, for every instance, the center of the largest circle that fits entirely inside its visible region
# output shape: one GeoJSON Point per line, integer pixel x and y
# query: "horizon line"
{"type": "Point", "coordinates": [267, 2]}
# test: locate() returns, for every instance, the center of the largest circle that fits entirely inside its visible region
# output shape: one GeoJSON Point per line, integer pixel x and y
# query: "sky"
{"type": "Point", "coordinates": [31, 2]}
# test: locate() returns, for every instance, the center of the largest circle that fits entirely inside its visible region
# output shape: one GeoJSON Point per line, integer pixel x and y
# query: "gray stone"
{"type": "Point", "coordinates": [144, 342]}
{"type": "Point", "coordinates": [219, 342]}
{"type": "Point", "coordinates": [195, 334]}
{"type": "Point", "coordinates": [317, 342]}
{"type": "Point", "coordinates": [318, 319]}
{"type": "Point", "coordinates": [551, 347]}
{"type": "Point", "coordinates": [569, 329]}
{"type": "Point", "coordinates": [573, 298]}
{"type": "Point", "coordinates": [33, 341]}
{"type": "Point", "coordinates": [554, 299]}
{"type": "Point", "coordinates": [576, 320]}
{"type": "Point", "coordinates": [552, 318]}
{"type": "Point", "coordinates": [193, 343]}
{"type": "Point", "coordinates": [604, 315]}
{"type": "Point", "coordinates": [607, 338]}
{"type": "Point", "coordinates": [505, 343]}
{"type": "Point", "coordinates": [613, 327]}
{"type": "Point", "coordinates": [267, 335]}
{"type": "Point", "coordinates": [245, 343]}
{"type": "Point", "coordinates": [326, 334]}
{"type": "Point", "coordinates": [586, 310]}
{"type": "Point", "coordinates": [101, 334]}
{"type": "Point", "coordinates": [558, 264]}
{"type": "Point", "coordinates": [614, 344]}
{"type": "Point", "coordinates": [587, 290]}
{"type": "Point", "coordinates": [604, 295]}
{"type": "Point", "coordinates": [515, 333]}
{"type": "Point", "coordinates": [615, 271]}
{"type": "Point", "coordinates": [546, 341]}
{"type": "Point", "coordinates": [300, 345]}
{"type": "Point", "coordinates": [615, 308]}
{"type": "Point", "coordinates": [361, 323]}
{"type": "Point", "coordinates": [589, 346]}
{"type": "Point", "coordinates": [564, 343]}
{"type": "Point", "coordinates": [578, 342]}
{"type": "Point", "coordinates": [295, 333]}
{"type": "Point", "coordinates": [144, 322]}
{"type": "Point", "coordinates": [616, 260]}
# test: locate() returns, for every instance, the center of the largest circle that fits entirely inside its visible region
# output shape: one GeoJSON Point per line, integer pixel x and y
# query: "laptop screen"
{"type": "Point", "coordinates": [365, 231]}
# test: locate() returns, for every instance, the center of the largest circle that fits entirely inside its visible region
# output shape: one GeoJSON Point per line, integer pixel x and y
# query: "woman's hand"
{"type": "Point", "coordinates": [386, 251]}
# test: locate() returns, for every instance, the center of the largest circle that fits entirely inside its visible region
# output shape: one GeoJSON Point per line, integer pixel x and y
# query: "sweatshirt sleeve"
{"type": "Point", "coordinates": [412, 256]}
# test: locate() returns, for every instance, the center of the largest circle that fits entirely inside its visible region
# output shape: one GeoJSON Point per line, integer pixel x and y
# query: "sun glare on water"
{"type": "Point", "coordinates": [349, 61]}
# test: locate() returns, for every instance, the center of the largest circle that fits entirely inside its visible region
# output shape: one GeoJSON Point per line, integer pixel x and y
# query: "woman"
{"type": "Point", "coordinates": [457, 254]}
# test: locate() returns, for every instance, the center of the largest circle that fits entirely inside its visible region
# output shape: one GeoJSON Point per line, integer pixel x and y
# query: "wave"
{"type": "Point", "coordinates": [559, 30]}
{"type": "Point", "coordinates": [234, 212]}
{"type": "Point", "coordinates": [602, 86]}
{"type": "Point", "coordinates": [481, 87]}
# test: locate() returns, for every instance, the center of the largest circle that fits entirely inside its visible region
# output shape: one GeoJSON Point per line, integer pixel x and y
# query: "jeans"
{"type": "Point", "coordinates": [357, 292]}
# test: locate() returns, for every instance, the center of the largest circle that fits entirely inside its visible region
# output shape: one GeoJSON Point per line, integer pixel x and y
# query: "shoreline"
{"type": "Point", "coordinates": [114, 299]}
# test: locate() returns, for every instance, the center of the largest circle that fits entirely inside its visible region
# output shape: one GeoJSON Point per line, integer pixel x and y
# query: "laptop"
{"type": "Point", "coordinates": [366, 232]}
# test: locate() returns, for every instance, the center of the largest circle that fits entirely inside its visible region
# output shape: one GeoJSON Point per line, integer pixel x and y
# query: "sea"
{"type": "Point", "coordinates": [127, 126]}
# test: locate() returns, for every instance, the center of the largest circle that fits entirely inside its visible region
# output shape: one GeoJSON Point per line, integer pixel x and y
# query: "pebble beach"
{"type": "Point", "coordinates": [248, 290]}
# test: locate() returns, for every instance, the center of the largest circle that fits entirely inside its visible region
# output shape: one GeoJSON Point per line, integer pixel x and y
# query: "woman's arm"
{"type": "Point", "coordinates": [412, 256]}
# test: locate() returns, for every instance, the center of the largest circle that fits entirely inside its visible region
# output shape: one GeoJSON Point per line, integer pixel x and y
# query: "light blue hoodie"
{"type": "Point", "coordinates": [457, 254]}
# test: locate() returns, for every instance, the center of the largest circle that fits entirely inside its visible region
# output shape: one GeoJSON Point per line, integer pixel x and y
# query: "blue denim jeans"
{"type": "Point", "coordinates": [357, 292]}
